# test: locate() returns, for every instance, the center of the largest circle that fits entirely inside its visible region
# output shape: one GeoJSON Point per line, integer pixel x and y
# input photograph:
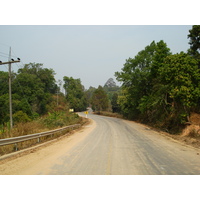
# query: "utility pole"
{"type": "Point", "coordinates": [10, 61]}
{"type": "Point", "coordinates": [10, 90]}
{"type": "Point", "coordinates": [58, 90]}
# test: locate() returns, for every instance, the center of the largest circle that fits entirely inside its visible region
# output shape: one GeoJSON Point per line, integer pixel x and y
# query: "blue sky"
{"type": "Point", "coordinates": [92, 53]}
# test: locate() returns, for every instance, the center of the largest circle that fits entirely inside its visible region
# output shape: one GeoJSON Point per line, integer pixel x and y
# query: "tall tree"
{"type": "Point", "coordinates": [89, 94]}
{"type": "Point", "coordinates": [75, 93]}
{"type": "Point", "coordinates": [45, 75]}
{"type": "Point", "coordinates": [115, 104]}
{"type": "Point", "coordinates": [32, 90]}
{"type": "Point", "coordinates": [181, 74]}
{"type": "Point", "coordinates": [142, 91]}
{"type": "Point", "coordinates": [3, 82]}
{"type": "Point", "coordinates": [136, 78]}
{"type": "Point", "coordinates": [99, 100]}
{"type": "Point", "coordinates": [194, 36]}
{"type": "Point", "coordinates": [36, 84]}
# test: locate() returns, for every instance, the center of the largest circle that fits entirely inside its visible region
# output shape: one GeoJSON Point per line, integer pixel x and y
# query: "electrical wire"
{"type": "Point", "coordinates": [3, 56]}
{"type": "Point", "coordinates": [4, 44]}
{"type": "Point", "coordinates": [3, 53]}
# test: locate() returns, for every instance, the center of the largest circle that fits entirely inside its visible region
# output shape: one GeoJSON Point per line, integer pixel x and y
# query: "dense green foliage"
{"type": "Point", "coordinates": [33, 91]}
{"type": "Point", "coordinates": [194, 36]}
{"type": "Point", "coordinates": [112, 93]}
{"type": "Point", "coordinates": [114, 103]}
{"type": "Point", "coordinates": [59, 119]}
{"type": "Point", "coordinates": [160, 88]}
{"type": "Point", "coordinates": [104, 98]}
{"type": "Point", "coordinates": [75, 93]}
{"type": "Point", "coordinates": [99, 100]}
{"type": "Point", "coordinates": [89, 94]}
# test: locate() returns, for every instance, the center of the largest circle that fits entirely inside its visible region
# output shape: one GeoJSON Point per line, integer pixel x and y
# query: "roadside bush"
{"type": "Point", "coordinates": [60, 119]}
{"type": "Point", "coordinates": [20, 116]}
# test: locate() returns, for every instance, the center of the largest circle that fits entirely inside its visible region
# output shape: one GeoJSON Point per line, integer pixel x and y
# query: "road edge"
{"type": "Point", "coordinates": [28, 150]}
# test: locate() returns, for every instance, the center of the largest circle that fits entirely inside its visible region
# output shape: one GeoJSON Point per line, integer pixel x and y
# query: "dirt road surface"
{"type": "Point", "coordinates": [109, 146]}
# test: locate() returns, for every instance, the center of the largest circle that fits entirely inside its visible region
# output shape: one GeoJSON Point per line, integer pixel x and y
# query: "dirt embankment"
{"type": "Point", "coordinates": [191, 134]}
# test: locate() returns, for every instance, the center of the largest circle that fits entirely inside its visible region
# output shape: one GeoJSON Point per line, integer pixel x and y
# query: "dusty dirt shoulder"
{"type": "Point", "coordinates": [182, 138]}
{"type": "Point", "coordinates": [20, 162]}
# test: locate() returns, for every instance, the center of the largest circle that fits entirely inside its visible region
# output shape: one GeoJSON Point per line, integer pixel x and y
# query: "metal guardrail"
{"type": "Point", "coordinates": [23, 138]}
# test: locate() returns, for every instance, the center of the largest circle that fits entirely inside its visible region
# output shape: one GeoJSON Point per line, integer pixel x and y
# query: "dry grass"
{"type": "Point", "coordinates": [193, 130]}
{"type": "Point", "coordinates": [21, 129]}
{"type": "Point", "coordinates": [22, 145]}
{"type": "Point", "coordinates": [109, 114]}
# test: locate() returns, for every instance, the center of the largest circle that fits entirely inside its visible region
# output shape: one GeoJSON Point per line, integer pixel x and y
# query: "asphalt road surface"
{"type": "Point", "coordinates": [118, 147]}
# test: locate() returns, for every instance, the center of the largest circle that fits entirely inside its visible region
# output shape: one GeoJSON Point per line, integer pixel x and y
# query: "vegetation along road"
{"type": "Point", "coordinates": [109, 146]}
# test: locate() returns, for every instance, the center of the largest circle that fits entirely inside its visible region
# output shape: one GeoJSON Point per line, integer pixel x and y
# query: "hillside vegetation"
{"type": "Point", "coordinates": [37, 103]}
{"type": "Point", "coordinates": [161, 88]}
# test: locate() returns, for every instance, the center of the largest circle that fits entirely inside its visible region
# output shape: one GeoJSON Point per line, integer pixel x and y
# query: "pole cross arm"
{"type": "Point", "coordinates": [9, 62]}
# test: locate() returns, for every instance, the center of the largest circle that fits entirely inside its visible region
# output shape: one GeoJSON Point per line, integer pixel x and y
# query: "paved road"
{"type": "Point", "coordinates": [120, 147]}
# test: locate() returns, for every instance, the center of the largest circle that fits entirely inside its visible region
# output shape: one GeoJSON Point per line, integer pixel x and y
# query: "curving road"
{"type": "Point", "coordinates": [122, 147]}
{"type": "Point", "coordinates": [119, 147]}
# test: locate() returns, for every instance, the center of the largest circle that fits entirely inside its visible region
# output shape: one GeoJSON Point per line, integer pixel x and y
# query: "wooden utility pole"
{"type": "Point", "coordinates": [10, 61]}
{"type": "Point", "coordinates": [10, 90]}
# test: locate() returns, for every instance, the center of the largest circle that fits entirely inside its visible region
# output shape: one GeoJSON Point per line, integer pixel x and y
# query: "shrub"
{"type": "Point", "coordinates": [20, 116]}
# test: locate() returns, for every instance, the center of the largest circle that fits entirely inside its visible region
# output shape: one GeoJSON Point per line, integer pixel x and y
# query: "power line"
{"type": "Point", "coordinates": [4, 56]}
{"type": "Point", "coordinates": [4, 53]}
{"type": "Point", "coordinates": [14, 54]}
{"type": "Point", "coordinates": [4, 44]}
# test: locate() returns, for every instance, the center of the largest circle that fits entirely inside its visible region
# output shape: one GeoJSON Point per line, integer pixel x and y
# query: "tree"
{"type": "Point", "coordinates": [194, 36]}
{"type": "Point", "coordinates": [45, 75]}
{"type": "Point", "coordinates": [115, 104]}
{"type": "Point", "coordinates": [136, 78]}
{"type": "Point", "coordinates": [99, 100]}
{"type": "Point", "coordinates": [153, 106]}
{"type": "Point", "coordinates": [75, 94]}
{"type": "Point", "coordinates": [89, 94]}
{"type": "Point", "coordinates": [3, 82]}
{"type": "Point", "coordinates": [110, 88]}
{"type": "Point", "coordinates": [181, 74]}
{"type": "Point", "coordinates": [32, 91]}
{"type": "Point", "coordinates": [161, 52]}
{"type": "Point", "coordinates": [4, 108]}
{"type": "Point", "coordinates": [36, 85]}
{"type": "Point", "coordinates": [160, 88]}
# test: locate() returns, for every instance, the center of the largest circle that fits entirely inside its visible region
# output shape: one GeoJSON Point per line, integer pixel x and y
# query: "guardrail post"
{"type": "Point", "coordinates": [16, 147]}
{"type": "Point", "coordinates": [38, 139]}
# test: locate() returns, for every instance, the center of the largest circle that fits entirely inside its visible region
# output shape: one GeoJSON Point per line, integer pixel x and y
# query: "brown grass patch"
{"type": "Point", "coordinates": [21, 129]}
{"type": "Point", "coordinates": [109, 114]}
